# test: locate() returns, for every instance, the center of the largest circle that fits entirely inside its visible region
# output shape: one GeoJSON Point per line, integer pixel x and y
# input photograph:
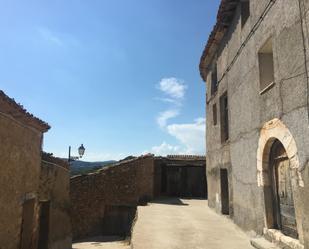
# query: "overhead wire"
{"type": "Point", "coordinates": [251, 33]}
{"type": "Point", "coordinates": [302, 18]}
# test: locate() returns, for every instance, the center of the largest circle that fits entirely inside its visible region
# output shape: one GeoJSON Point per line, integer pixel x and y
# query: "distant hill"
{"type": "Point", "coordinates": [81, 167]}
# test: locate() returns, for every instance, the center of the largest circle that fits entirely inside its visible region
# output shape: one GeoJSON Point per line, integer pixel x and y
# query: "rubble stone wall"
{"type": "Point", "coordinates": [20, 159]}
{"type": "Point", "coordinates": [125, 184]}
{"type": "Point", "coordinates": [55, 189]}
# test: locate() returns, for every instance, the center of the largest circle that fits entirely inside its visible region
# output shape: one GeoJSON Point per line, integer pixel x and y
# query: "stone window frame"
{"type": "Point", "coordinates": [262, 52]}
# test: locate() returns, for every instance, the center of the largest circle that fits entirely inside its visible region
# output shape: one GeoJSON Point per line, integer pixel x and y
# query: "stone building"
{"type": "Point", "coordinates": [34, 189]}
{"type": "Point", "coordinates": [255, 65]}
{"type": "Point", "coordinates": [54, 196]}
{"type": "Point", "coordinates": [180, 176]}
{"type": "Point", "coordinates": [104, 202]}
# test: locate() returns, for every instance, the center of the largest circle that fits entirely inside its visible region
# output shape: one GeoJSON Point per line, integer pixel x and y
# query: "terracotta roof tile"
{"type": "Point", "coordinates": [224, 18]}
{"type": "Point", "coordinates": [9, 107]}
{"type": "Point", "coordinates": [48, 157]}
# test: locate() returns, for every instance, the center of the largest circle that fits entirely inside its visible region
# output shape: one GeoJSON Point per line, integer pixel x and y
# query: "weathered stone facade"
{"type": "Point", "coordinates": [233, 67]}
{"type": "Point", "coordinates": [34, 192]}
{"type": "Point", "coordinates": [21, 137]}
{"type": "Point", "coordinates": [105, 202]}
{"type": "Point", "coordinates": [54, 196]}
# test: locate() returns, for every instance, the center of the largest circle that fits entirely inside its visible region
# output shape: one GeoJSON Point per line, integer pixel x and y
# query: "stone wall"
{"type": "Point", "coordinates": [250, 109]}
{"type": "Point", "coordinates": [55, 192]}
{"type": "Point", "coordinates": [21, 136]}
{"type": "Point", "coordinates": [20, 158]}
{"type": "Point", "coordinates": [125, 184]}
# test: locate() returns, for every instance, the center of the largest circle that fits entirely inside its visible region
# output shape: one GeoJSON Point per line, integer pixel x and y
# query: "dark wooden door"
{"type": "Point", "coordinates": [27, 226]}
{"type": "Point", "coordinates": [44, 225]}
{"type": "Point", "coordinates": [285, 210]}
{"type": "Point", "coordinates": [225, 202]}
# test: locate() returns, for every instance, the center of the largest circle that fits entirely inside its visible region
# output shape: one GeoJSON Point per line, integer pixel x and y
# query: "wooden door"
{"type": "Point", "coordinates": [225, 200]}
{"type": "Point", "coordinates": [44, 225]}
{"type": "Point", "coordinates": [27, 226]}
{"type": "Point", "coordinates": [285, 210]}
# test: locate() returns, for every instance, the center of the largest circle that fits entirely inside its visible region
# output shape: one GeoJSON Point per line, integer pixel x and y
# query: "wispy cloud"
{"type": "Point", "coordinates": [174, 91]}
{"type": "Point", "coordinates": [191, 137]}
{"type": "Point", "coordinates": [50, 36]}
{"type": "Point", "coordinates": [163, 117]}
{"type": "Point", "coordinates": [173, 87]}
{"type": "Point", "coordinates": [165, 149]}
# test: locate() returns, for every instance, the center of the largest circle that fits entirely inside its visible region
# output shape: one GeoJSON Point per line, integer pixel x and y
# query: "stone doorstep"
{"type": "Point", "coordinates": [281, 240]}
{"type": "Point", "coordinates": [262, 243]}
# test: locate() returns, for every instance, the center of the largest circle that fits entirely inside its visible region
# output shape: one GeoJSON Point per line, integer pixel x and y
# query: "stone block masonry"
{"type": "Point", "coordinates": [112, 190]}
{"type": "Point", "coordinates": [54, 199]}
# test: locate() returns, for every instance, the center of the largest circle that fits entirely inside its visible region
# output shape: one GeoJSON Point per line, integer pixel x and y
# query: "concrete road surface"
{"type": "Point", "coordinates": [102, 243]}
{"type": "Point", "coordinates": [185, 224]}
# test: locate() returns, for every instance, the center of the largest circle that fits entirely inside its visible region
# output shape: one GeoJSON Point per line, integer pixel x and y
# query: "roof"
{"type": "Point", "coordinates": [9, 107]}
{"type": "Point", "coordinates": [225, 15]}
{"type": "Point", "coordinates": [49, 158]}
{"type": "Point", "coordinates": [186, 157]}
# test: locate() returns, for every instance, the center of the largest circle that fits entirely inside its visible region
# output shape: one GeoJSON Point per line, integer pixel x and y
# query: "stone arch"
{"type": "Point", "coordinates": [272, 130]}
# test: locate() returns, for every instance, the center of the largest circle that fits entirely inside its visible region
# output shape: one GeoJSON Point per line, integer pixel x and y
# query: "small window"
{"type": "Point", "coordinates": [214, 114]}
{"type": "Point", "coordinates": [224, 118]}
{"type": "Point", "coordinates": [244, 11]}
{"type": "Point", "coordinates": [214, 80]}
{"type": "Point", "coordinates": [266, 66]}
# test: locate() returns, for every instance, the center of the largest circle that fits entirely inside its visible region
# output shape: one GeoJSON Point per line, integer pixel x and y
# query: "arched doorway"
{"type": "Point", "coordinates": [281, 192]}
{"type": "Point", "coordinates": [279, 174]}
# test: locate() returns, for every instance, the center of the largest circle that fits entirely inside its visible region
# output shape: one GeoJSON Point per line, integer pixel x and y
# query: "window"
{"type": "Point", "coordinates": [214, 80]}
{"type": "Point", "coordinates": [244, 11]}
{"type": "Point", "coordinates": [266, 66]}
{"type": "Point", "coordinates": [224, 118]}
{"type": "Point", "coordinates": [214, 114]}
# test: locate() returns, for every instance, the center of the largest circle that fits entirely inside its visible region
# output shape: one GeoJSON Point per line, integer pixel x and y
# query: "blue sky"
{"type": "Point", "coordinates": [119, 76]}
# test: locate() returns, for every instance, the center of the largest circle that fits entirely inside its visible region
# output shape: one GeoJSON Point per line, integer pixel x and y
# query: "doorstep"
{"type": "Point", "coordinates": [281, 240]}
{"type": "Point", "coordinates": [262, 243]}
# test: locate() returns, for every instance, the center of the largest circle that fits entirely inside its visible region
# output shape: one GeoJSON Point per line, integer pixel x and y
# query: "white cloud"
{"type": "Point", "coordinates": [173, 87]}
{"type": "Point", "coordinates": [49, 36]}
{"type": "Point", "coordinates": [165, 149]}
{"type": "Point", "coordinates": [191, 137]}
{"type": "Point", "coordinates": [169, 100]}
{"type": "Point", "coordinates": [165, 116]}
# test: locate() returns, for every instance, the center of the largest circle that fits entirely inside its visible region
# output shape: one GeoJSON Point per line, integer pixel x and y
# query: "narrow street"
{"type": "Point", "coordinates": [174, 223]}
{"type": "Point", "coordinates": [102, 243]}
{"type": "Point", "coordinates": [185, 224]}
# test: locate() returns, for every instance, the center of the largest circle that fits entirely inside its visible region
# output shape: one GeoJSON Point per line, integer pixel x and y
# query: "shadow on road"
{"type": "Point", "coordinates": [100, 239]}
{"type": "Point", "coordinates": [170, 201]}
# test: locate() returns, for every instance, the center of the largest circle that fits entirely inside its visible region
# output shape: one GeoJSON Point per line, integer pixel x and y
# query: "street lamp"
{"type": "Point", "coordinates": [81, 151]}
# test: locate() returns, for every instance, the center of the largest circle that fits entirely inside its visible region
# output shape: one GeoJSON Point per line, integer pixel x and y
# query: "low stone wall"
{"type": "Point", "coordinates": [117, 187]}
{"type": "Point", "coordinates": [54, 199]}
